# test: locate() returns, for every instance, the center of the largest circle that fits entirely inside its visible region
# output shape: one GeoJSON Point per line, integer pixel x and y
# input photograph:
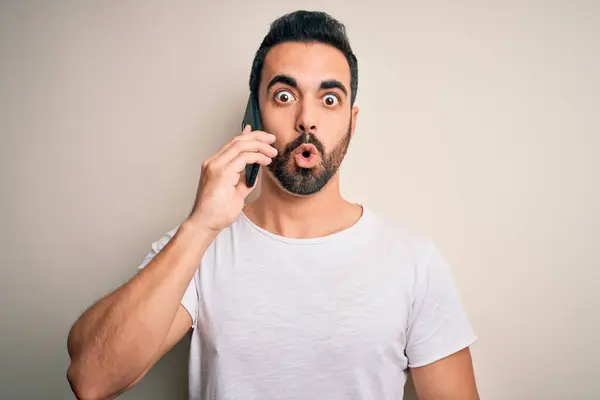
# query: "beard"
{"type": "Point", "coordinates": [307, 181]}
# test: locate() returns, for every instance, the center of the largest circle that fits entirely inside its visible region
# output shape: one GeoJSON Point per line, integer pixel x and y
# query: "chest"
{"type": "Point", "coordinates": [340, 307]}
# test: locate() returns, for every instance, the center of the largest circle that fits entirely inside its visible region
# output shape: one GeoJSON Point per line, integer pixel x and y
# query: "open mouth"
{"type": "Point", "coordinates": [306, 156]}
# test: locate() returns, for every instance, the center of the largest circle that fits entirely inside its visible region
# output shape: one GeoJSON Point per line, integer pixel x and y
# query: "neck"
{"type": "Point", "coordinates": [320, 214]}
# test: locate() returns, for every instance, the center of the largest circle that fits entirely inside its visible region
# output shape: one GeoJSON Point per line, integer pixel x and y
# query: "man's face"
{"type": "Point", "coordinates": [305, 102]}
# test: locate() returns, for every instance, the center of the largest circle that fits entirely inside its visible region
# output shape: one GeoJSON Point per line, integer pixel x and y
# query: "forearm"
{"type": "Point", "coordinates": [113, 342]}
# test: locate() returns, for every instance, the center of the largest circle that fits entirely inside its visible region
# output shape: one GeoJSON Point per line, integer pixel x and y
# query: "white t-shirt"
{"type": "Point", "coordinates": [336, 317]}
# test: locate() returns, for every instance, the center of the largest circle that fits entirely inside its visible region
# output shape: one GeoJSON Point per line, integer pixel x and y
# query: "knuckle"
{"type": "Point", "coordinates": [232, 142]}
{"type": "Point", "coordinates": [267, 148]}
{"type": "Point", "coordinates": [210, 167]}
{"type": "Point", "coordinates": [238, 145]}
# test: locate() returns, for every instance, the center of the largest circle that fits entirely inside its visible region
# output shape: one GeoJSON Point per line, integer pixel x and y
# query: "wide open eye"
{"type": "Point", "coordinates": [331, 100]}
{"type": "Point", "coordinates": [284, 96]}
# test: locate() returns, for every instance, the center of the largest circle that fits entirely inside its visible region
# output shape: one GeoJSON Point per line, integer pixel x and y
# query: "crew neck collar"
{"type": "Point", "coordinates": [309, 241]}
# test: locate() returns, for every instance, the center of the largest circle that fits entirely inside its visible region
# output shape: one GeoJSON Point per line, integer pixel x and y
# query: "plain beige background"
{"type": "Point", "coordinates": [478, 126]}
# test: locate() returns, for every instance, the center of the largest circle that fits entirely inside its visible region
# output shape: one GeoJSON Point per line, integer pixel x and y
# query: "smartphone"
{"type": "Point", "coordinates": [252, 118]}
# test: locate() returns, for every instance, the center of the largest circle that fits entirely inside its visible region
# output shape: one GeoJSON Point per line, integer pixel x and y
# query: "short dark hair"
{"type": "Point", "coordinates": [305, 26]}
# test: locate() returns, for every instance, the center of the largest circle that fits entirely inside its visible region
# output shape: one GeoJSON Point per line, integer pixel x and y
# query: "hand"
{"type": "Point", "coordinates": [222, 190]}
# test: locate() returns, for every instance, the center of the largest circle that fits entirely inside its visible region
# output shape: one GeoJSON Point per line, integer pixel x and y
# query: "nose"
{"type": "Point", "coordinates": [306, 120]}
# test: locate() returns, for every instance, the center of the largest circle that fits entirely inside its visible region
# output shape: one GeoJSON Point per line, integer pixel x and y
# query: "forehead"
{"type": "Point", "coordinates": [308, 63]}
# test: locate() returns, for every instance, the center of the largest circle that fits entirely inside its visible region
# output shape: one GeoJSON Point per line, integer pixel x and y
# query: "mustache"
{"type": "Point", "coordinates": [305, 138]}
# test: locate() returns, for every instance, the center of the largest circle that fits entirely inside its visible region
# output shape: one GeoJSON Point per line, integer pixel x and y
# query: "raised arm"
{"type": "Point", "coordinates": [124, 334]}
{"type": "Point", "coordinates": [115, 342]}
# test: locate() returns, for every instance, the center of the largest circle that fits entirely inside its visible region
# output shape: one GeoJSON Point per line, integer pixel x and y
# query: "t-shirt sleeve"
{"type": "Point", "coordinates": [190, 297]}
{"type": "Point", "coordinates": [438, 325]}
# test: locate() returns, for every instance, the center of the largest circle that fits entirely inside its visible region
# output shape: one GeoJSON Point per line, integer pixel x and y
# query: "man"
{"type": "Point", "coordinates": [299, 294]}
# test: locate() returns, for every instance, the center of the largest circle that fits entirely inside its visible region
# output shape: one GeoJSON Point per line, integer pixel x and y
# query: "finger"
{"type": "Point", "coordinates": [238, 164]}
{"type": "Point", "coordinates": [255, 135]}
{"type": "Point", "coordinates": [246, 135]}
{"type": "Point", "coordinates": [243, 146]}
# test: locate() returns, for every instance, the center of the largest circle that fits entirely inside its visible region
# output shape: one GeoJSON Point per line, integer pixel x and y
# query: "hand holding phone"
{"type": "Point", "coordinates": [221, 192]}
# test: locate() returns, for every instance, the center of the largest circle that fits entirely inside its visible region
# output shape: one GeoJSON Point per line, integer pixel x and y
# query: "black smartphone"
{"type": "Point", "coordinates": [252, 118]}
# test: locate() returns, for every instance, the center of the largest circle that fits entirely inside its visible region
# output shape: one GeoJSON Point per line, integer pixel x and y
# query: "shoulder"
{"type": "Point", "coordinates": [411, 257]}
{"type": "Point", "coordinates": [405, 243]}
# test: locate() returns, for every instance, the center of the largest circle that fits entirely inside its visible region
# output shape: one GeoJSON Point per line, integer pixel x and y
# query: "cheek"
{"type": "Point", "coordinates": [331, 139]}
{"type": "Point", "coordinates": [335, 123]}
{"type": "Point", "coordinates": [280, 126]}
{"type": "Point", "coordinates": [277, 119]}
{"type": "Point", "coordinates": [280, 144]}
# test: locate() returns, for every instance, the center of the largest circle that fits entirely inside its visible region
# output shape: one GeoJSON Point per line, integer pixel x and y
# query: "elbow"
{"type": "Point", "coordinates": [84, 385]}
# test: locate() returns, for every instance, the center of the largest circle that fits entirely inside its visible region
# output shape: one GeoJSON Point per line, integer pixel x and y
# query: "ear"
{"type": "Point", "coordinates": [354, 118]}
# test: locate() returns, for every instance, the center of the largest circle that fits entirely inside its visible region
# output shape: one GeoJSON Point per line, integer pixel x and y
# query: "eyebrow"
{"type": "Point", "coordinates": [334, 84]}
{"type": "Point", "coordinates": [285, 79]}
{"type": "Point", "coordinates": [288, 80]}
